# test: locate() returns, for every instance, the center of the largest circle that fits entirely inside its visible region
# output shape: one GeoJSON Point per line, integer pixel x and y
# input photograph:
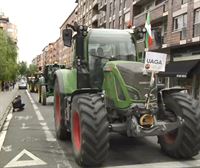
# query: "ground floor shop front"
{"type": "Point", "coordinates": [185, 74]}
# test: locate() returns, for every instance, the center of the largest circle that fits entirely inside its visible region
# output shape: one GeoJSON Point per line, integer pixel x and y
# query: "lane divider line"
{"type": "Point", "coordinates": [38, 113]}
{"type": "Point", "coordinates": [48, 134]}
{"type": "Point", "coordinates": [5, 129]}
{"type": "Point", "coordinates": [174, 164]}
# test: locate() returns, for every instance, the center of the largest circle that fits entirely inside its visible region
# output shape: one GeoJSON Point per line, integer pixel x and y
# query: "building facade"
{"type": "Point", "coordinates": [175, 30]}
{"type": "Point", "coordinates": [66, 52]}
{"type": "Point", "coordinates": [10, 28]}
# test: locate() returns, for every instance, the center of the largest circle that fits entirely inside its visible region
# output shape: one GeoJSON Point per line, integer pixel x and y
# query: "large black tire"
{"type": "Point", "coordinates": [183, 142]}
{"type": "Point", "coordinates": [39, 94]}
{"type": "Point", "coordinates": [89, 129]}
{"type": "Point", "coordinates": [43, 95]}
{"type": "Point", "coordinates": [30, 87]}
{"type": "Point", "coordinates": [62, 132]}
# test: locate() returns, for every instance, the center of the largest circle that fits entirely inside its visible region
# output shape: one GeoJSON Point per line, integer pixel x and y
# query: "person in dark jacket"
{"type": "Point", "coordinates": [17, 104]}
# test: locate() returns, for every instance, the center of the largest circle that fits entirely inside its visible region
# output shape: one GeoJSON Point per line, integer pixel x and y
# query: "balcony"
{"type": "Point", "coordinates": [156, 13]}
{"type": "Point", "coordinates": [95, 3]}
{"type": "Point", "coordinates": [140, 19]}
{"type": "Point", "coordinates": [95, 18]}
{"type": "Point", "coordinates": [102, 5]}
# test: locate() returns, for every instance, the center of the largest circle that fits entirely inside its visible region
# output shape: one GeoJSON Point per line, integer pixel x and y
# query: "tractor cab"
{"type": "Point", "coordinates": [108, 45]}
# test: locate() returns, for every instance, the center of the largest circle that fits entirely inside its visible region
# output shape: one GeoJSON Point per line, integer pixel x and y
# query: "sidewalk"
{"type": "Point", "coordinates": [6, 98]}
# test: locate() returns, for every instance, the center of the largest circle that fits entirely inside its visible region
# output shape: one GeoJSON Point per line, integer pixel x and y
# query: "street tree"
{"type": "Point", "coordinates": [32, 69]}
{"type": "Point", "coordinates": [8, 56]}
{"type": "Point", "coordinates": [22, 68]}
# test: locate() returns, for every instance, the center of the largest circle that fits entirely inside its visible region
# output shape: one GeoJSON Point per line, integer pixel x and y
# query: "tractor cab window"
{"type": "Point", "coordinates": [108, 47]}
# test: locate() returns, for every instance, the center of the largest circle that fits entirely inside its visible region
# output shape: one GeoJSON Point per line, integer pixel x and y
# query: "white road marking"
{"type": "Point", "coordinates": [24, 126]}
{"type": "Point", "coordinates": [23, 117]}
{"type": "Point", "coordinates": [174, 164]}
{"type": "Point", "coordinates": [49, 135]}
{"type": "Point", "coordinates": [15, 162]}
{"type": "Point", "coordinates": [4, 130]}
{"type": "Point", "coordinates": [7, 148]}
{"type": "Point", "coordinates": [38, 113]}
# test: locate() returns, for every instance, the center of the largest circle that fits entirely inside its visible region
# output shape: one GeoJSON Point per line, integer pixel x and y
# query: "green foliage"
{"type": "Point", "coordinates": [23, 68]}
{"type": "Point", "coordinates": [31, 70]}
{"type": "Point", "coordinates": [8, 57]}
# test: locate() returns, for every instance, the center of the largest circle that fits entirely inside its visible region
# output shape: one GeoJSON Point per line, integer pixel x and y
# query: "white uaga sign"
{"type": "Point", "coordinates": [155, 61]}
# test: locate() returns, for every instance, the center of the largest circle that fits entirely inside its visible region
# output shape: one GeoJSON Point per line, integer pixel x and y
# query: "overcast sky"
{"type": "Point", "coordinates": [37, 21]}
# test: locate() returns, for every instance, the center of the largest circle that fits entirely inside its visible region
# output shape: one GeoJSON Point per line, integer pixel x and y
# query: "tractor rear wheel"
{"type": "Point", "coordinates": [182, 142]}
{"type": "Point", "coordinates": [43, 95]}
{"type": "Point", "coordinates": [59, 113]}
{"type": "Point", "coordinates": [89, 129]}
{"type": "Point", "coordinates": [39, 94]}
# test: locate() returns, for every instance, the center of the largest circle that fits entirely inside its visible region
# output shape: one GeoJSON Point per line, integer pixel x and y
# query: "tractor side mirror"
{"type": "Point", "coordinates": [67, 37]}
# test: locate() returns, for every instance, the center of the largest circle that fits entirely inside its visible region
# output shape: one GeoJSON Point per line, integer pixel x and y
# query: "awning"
{"type": "Point", "coordinates": [180, 69]}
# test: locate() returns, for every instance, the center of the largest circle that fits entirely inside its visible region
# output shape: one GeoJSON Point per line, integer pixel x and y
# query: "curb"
{"type": "Point", "coordinates": [6, 112]}
{"type": "Point", "coordinates": [3, 119]}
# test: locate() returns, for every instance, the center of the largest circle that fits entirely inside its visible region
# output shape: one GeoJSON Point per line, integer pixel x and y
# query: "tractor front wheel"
{"type": "Point", "coordinates": [182, 142]}
{"type": "Point", "coordinates": [89, 129]}
{"type": "Point", "coordinates": [43, 95]}
{"type": "Point", "coordinates": [59, 113]}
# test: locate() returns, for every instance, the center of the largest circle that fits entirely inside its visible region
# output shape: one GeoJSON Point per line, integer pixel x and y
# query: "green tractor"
{"type": "Point", "coordinates": [46, 82]}
{"type": "Point", "coordinates": [106, 90]}
{"type": "Point", "coordinates": [33, 82]}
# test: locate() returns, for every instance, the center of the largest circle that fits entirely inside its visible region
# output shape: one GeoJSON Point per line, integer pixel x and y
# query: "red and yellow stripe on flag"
{"type": "Point", "coordinates": [148, 38]}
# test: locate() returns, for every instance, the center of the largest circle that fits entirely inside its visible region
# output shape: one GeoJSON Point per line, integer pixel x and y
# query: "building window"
{"type": "Point", "coordinates": [114, 24]}
{"type": "Point", "coordinates": [120, 22]}
{"type": "Point", "coordinates": [110, 9]}
{"type": "Point", "coordinates": [110, 25]}
{"type": "Point", "coordinates": [126, 19]}
{"type": "Point", "coordinates": [197, 23]}
{"type": "Point", "coordinates": [125, 4]}
{"type": "Point", "coordinates": [184, 1]}
{"type": "Point", "coordinates": [120, 5]}
{"type": "Point", "coordinates": [180, 22]}
{"type": "Point", "coordinates": [158, 2]}
{"type": "Point", "coordinates": [114, 5]}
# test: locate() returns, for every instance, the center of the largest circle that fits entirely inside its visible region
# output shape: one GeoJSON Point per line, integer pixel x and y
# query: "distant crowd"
{"type": "Point", "coordinates": [7, 85]}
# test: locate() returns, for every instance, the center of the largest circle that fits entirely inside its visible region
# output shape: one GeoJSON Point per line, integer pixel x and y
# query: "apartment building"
{"type": "Point", "coordinates": [66, 52]}
{"type": "Point", "coordinates": [176, 31]}
{"type": "Point", "coordinates": [10, 28]}
{"type": "Point", "coordinates": [87, 13]}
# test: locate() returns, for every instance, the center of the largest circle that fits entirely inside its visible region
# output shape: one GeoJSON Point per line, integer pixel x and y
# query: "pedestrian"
{"type": "Point", "coordinates": [2, 86]}
{"type": "Point", "coordinates": [17, 103]}
{"type": "Point", "coordinates": [6, 86]}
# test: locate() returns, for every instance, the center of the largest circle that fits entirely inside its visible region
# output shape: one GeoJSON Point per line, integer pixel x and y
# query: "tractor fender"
{"type": "Point", "coordinates": [167, 91]}
{"type": "Point", "coordinates": [67, 80]}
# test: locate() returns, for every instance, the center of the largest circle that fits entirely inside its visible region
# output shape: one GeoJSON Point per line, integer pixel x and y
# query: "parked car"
{"type": "Point", "coordinates": [22, 84]}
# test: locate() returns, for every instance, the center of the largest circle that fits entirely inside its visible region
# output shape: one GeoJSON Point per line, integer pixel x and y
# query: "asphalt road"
{"type": "Point", "coordinates": [30, 142]}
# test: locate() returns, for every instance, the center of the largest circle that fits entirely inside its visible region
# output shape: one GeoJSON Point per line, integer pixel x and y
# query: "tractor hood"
{"type": "Point", "coordinates": [133, 77]}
